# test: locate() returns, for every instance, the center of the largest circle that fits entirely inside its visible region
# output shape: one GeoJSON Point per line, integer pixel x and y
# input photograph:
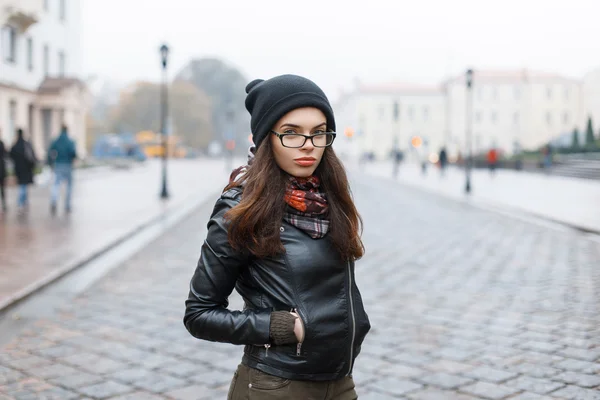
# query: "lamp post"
{"type": "Point", "coordinates": [469, 128]}
{"type": "Point", "coordinates": [164, 54]}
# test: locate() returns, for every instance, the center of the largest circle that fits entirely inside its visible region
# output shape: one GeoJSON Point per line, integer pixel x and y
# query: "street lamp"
{"type": "Point", "coordinates": [469, 127]}
{"type": "Point", "coordinates": [164, 54]}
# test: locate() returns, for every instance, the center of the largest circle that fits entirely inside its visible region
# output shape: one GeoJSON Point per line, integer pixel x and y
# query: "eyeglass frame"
{"type": "Point", "coordinates": [306, 137]}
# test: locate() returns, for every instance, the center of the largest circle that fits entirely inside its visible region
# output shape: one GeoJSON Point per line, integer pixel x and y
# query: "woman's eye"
{"type": "Point", "coordinates": [320, 131]}
{"type": "Point", "coordinates": [289, 131]}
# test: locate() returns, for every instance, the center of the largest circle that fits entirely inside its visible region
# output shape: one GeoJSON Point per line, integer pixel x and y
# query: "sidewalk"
{"type": "Point", "coordinates": [107, 207]}
{"type": "Point", "coordinates": [571, 201]}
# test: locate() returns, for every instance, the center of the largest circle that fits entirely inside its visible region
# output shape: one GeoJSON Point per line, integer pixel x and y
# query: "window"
{"type": "Point", "coordinates": [478, 117]}
{"type": "Point", "coordinates": [411, 113]}
{"type": "Point", "coordinates": [494, 93]}
{"type": "Point", "coordinates": [381, 112]}
{"type": "Point", "coordinates": [549, 93]}
{"type": "Point", "coordinates": [517, 92]}
{"type": "Point", "coordinates": [566, 118]}
{"type": "Point", "coordinates": [549, 118]}
{"type": "Point", "coordinates": [46, 60]}
{"type": "Point", "coordinates": [480, 93]}
{"type": "Point", "coordinates": [62, 10]}
{"type": "Point", "coordinates": [516, 118]}
{"type": "Point", "coordinates": [566, 93]}
{"type": "Point", "coordinates": [494, 117]}
{"type": "Point", "coordinates": [9, 43]}
{"type": "Point", "coordinates": [425, 113]}
{"type": "Point", "coordinates": [30, 54]}
{"type": "Point", "coordinates": [61, 64]}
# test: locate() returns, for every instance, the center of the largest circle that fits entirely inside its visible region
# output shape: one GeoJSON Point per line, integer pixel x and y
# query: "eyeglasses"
{"type": "Point", "coordinates": [296, 140]}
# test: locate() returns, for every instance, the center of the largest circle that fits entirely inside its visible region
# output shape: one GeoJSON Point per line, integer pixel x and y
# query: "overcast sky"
{"type": "Point", "coordinates": [333, 41]}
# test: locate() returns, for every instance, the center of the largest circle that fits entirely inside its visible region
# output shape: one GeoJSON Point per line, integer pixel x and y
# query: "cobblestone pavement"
{"type": "Point", "coordinates": [464, 304]}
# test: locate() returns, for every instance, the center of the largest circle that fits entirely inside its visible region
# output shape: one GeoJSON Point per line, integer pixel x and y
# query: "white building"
{"type": "Point", "coordinates": [512, 110]}
{"type": "Point", "coordinates": [40, 62]}
{"type": "Point", "coordinates": [385, 117]}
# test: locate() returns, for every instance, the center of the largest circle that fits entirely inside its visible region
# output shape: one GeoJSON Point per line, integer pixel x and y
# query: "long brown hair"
{"type": "Point", "coordinates": [255, 222]}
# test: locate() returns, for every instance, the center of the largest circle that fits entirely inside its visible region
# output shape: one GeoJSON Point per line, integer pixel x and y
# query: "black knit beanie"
{"type": "Point", "coordinates": [269, 100]}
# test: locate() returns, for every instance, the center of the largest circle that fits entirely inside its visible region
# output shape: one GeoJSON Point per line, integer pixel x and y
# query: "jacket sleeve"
{"type": "Point", "coordinates": [206, 314]}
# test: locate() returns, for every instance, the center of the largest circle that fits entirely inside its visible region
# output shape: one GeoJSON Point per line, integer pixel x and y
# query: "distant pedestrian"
{"type": "Point", "coordinates": [24, 161]}
{"type": "Point", "coordinates": [3, 156]}
{"type": "Point", "coordinates": [492, 159]}
{"type": "Point", "coordinates": [285, 233]}
{"type": "Point", "coordinates": [61, 154]}
{"type": "Point", "coordinates": [443, 160]}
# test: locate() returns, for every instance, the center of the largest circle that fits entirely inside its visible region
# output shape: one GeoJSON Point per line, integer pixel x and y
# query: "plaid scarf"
{"type": "Point", "coordinates": [307, 207]}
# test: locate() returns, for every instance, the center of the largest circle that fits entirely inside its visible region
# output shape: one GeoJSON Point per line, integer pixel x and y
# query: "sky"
{"type": "Point", "coordinates": [335, 42]}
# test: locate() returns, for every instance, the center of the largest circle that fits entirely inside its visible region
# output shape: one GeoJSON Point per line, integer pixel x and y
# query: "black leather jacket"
{"type": "Point", "coordinates": [310, 277]}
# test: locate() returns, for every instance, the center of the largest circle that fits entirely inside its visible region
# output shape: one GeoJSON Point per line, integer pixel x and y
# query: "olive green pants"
{"type": "Point", "coordinates": [252, 384]}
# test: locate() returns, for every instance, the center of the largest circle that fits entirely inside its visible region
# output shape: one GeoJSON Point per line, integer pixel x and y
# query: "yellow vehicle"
{"type": "Point", "coordinates": [151, 144]}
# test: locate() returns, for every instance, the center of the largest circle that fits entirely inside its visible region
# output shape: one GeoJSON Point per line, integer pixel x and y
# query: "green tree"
{"type": "Point", "coordinates": [575, 142]}
{"type": "Point", "coordinates": [590, 140]}
{"type": "Point", "coordinates": [225, 86]}
{"type": "Point", "coordinates": [138, 109]}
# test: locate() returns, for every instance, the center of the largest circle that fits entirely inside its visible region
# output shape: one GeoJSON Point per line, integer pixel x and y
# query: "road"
{"type": "Point", "coordinates": [465, 304]}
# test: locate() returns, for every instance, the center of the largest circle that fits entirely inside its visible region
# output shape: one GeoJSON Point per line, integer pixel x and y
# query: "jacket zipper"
{"type": "Point", "coordinates": [299, 345]}
{"type": "Point", "coordinates": [352, 318]}
{"type": "Point", "coordinates": [267, 346]}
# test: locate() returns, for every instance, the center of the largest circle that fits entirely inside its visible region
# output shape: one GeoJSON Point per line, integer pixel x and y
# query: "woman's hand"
{"type": "Point", "coordinates": [298, 327]}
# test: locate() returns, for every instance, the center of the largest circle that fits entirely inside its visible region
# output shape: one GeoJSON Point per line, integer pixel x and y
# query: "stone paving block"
{"type": "Point", "coordinates": [26, 363]}
{"type": "Point", "coordinates": [585, 367]}
{"type": "Point", "coordinates": [396, 387]}
{"type": "Point", "coordinates": [535, 385]}
{"type": "Point", "coordinates": [577, 393]}
{"type": "Point", "coordinates": [438, 394]}
{"type": "Point", "coordinates": [76, 380]}
{"type": "Point", "coordinates": [488, 374]}
{"type": "Point", "coordinates": [52, 371]}
{"type": "Point", "coordinates": [583, 380]}
{"type": "Point", "coordinates": [535, 370]}
{"type": "Point", "coordinates": [489, 390]}
{"type": "Point", "coordinates": [444, 380]}
{"type": "Point", "coordinates": [531, 396]}
{"type": "Point", "coordinates": [213, 378]}
{"type": "Point", "coordinates": [581, 354]}
{"type": "Point", "coordinates": [377, 396]}
{"type": "Point", "coordinates": [448, 366]}
{"type": "Point", "coordinates": [8, 375]}
{"type": "Point", "coordinates": [543, 347]}
{"type": "Point", "coordinates": [139, 396]}
{"type": "Point", "coordinates": [105, 390]}
{"type": "Point", "coordinates": [33, 388]}
{"type": "Point", "coordinates": [196, 392]}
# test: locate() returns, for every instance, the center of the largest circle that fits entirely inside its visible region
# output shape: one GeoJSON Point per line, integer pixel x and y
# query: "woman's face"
{"type": "Point", "coordinates": [299, 162]}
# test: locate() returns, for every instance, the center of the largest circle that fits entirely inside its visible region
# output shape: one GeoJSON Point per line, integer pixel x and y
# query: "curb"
{"type": "Point", "coordinates": [26, 292]}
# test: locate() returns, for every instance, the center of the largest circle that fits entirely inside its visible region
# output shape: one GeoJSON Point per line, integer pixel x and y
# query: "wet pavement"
{"type": "Point", "coordinates": [464, 304]}
{"type": "Point", "coordinates": [107, 206]}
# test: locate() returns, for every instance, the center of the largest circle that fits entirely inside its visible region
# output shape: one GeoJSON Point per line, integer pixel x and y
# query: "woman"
{"type": "Point", "coordinates": [285, 233]}
{"type": "Point", "coordinates": [24, 161]}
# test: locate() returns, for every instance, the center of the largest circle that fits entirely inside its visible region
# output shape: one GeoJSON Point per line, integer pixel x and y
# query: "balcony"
{"type": "Point", "coordinates": [21, 13]}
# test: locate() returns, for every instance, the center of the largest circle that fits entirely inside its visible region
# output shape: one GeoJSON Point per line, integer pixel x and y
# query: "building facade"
{"type": "Point", "coordinates": [387, 117]}
{"type": "Point", "coordinates": [511, 111]}
{"type": "Point", "coordinates": [40, 66]}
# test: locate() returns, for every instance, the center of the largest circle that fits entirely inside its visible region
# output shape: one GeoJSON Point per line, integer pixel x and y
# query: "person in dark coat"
{"type": "Point", "coordinates": [24, 161]}
{"type": "Point", "coordinates": [3, 156]}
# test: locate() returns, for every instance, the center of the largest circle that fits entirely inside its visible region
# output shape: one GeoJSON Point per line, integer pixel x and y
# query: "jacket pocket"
{"type": "Point", "coordinates": [299, 345]}
{"type": "Point", "coordinates": [262, 381]}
